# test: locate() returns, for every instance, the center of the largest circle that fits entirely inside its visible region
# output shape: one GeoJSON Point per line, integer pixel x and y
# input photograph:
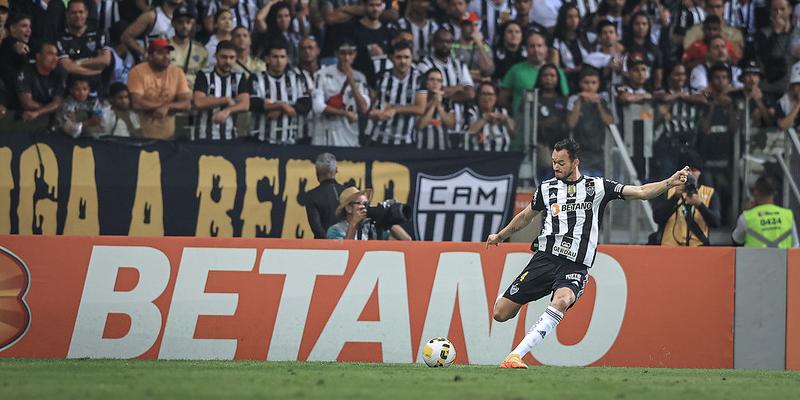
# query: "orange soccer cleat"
{"type": "Point", "coordinates": [513, 361]}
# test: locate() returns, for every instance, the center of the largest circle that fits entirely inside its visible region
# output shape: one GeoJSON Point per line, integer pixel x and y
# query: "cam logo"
{"type": "Point", "coordinates": [461, 207]}
{"type": "Point", "coordinates": [14, 285]}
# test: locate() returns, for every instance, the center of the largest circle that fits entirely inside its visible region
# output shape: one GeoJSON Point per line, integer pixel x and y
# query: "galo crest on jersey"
{"type": "Point", "coordinates": [462, 206]}
{"type": "Point", "coordinates": [589, 188]}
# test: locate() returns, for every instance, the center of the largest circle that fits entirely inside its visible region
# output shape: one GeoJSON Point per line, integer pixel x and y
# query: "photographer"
{"type": "Point", "coordinates": [355, 222]}
{"type": "Point", "coordinates": [687, 212]}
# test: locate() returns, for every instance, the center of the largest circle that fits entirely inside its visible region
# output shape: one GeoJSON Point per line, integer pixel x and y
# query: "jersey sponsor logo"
{"type": "Point", "coordinates": [565, 247]}
{"type": "Point", "coordinates": [475, 199]}
{"type": "Point", "coordinates": [573, 277]}
{"type": "Point", "coordinates": [557, 208]}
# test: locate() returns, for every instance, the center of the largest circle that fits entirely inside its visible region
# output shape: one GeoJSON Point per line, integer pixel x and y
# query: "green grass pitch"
{"type": "Point", "coordinates": [119, 379]}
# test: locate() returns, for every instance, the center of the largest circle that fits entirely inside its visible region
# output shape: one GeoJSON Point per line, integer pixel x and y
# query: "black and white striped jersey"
{"type": "Point", "coordinates": [244, 13]}
{"type": "Point", "coordinates": [435, 136]}
{"type": "Point", "coordinates": [573, 212]}
{"type": "Point", "coordinates": [454, 73]}
{"type": "Point", "coordinates": [491, 15]}
{"type": "Point", "coordinates": [395, 91]}
{"type": "Point", "coordinates": [423, 35]}
{"type": "Point", "coordinates": [492, 137]}
{"type": "Point", "coordinates": [215, 85]}
{"type": "Point", "coordinates": [305, 123]}
{"type": "Point", "coordinates": [286, 88]}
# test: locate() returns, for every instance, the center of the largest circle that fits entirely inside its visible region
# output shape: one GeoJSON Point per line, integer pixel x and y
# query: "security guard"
{"type": "Point", "coordinates": [765, 224]}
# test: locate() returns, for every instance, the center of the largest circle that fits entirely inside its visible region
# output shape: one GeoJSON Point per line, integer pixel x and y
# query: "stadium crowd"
{"type": "Point", "coordinates": [430, 74]}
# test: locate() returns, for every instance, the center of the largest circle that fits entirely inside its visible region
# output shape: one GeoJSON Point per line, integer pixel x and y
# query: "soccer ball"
{"type": "Point", "coordinates": [439, 352]}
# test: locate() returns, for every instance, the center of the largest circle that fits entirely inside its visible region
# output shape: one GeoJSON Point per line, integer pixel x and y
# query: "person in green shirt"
{"type": "Point", "coordinates": [523, 76]}
{"type": "Point", "coordinates": [765, 224]}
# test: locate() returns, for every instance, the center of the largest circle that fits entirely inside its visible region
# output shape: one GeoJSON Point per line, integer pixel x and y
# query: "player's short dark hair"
{"type": "Point", "coordinates": [71, 2]}
{"type": "Point", "coordinates": [588, 70]}
{"type": "Point", "coordinates": [225, 45]}
{"type": "Point", "coordinates": [403, 46]}
{"type": "Point", "coordinates": [277, 44]}
{"type": "Point", "coordinates": [117, 88]}
{"type": "Point", "coordinates": [719, 67]}
{"type": "Point", "coordinates": [604, 23]}
{"type": "Point", "coordinates": [711, 20]}
{"type": "Point", "coordinates": [765, 186]}
{"type": "Point", "coordinates": [571, 146]}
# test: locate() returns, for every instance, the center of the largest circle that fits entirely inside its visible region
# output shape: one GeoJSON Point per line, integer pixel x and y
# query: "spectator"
{"type": "Point", "coordinates": [340, 97]}
{"type": "Point", "coordinates": [121, 119]}
{"type": "Point", "coordinates": [458, 85]}
{"type": "Point", "coordinates": [765, 224]}
{"type": "Point", "coordinates": [677, 120]}
{"type": "Point", "coordinates": [718, 124]}
{"type": "Point", "coordinates": [551, 114]}
{"type": "Point", "coordinates": [420, 25]}
{"type": "Point", "coordinates": [218, 96]}
{"type": "Point", "coordinates": [751, 97]}
{"type": "Point", "coordinates": [17, 49]}
{"type": "Point", "coordinates": [493, 13]}
{"type": "Point", "coordinates": [639, 46]}
{"type": "Point", "coordinates": [472, 51]}
{"type": "Point", "coordinates": [611, 11]}
{"type": "Point", "coordinates": [686, 212]}
{"type": "Point", "coordinates": [587, 116]}
{"type": "Point", "coordinates": [490, 126]}
{"type": "Point", "coordinates": [508, 50]}
{"type": "Point", "coordinates": [353, 222]}
{"type": "Point", "coordinates": [308, 60]}
{"type": "Point", "coordinates": [151, 24]}
{"type": "Point", "coordinates": [300, 23]}
{"type": "Point", "coordinates": [546, 12]}
{"type": "Point", "coordinates": [608, 54]}
{"type": "Point", "coordinates": [524, 17]}
{"type": "Point", "coordinates": [456, 10]}
{"type": "Point", "coordinates": [81, 114]}
{"type": "Point", "coordinates": [40, 87]}
{"type": "Point", "coordinates": [279, 27]}
{"type": "Point", "coordinates": [243, 12]}
{"type": "Point", "coordinates": [372, 39]}
{"type": "Point", "coordinates": [715, 7]}
{"type": "Point", "coordinates": [278, 97]}
{"type": "Point", "coordinates": [223, 30]}
{"type": "Point", "coordinates": [717, 54]}
{"type": "Point", "coordinates": [773, 48]}
{"type": "Point", "coordinates": [246, 63]}
{"type": "Point", "coordinates": [399, 101]}
{"type": "Point", "coordinates": [570, 43]}
{"type": "Point", "coordinates": [434, 126]}
{"type": "Point", "coordinates": [697, 52]}
{"type": "Point", "coordinates": [523, 76]}
{"type": "Point", "coordinates": [47, 18]}
{"type": "Point", "coordinates": [82, 50]}
{"type": "Point", "coordinates": [158, 90]}
{"type": "Point", "coordinates": [321, 202]}
{"type": "Point", "coordinates": [337, 15]}
{"type": "Point", "coordinates": [690, 12]}
{"type": "Point", "coordinates": [121, 59]}
{"type": "Point", "coordinates": [635, 91]}
{"type": "Point", "coordinates": [786, 112]}
{"type": "Point", "coordinates": [189, 55]}
{"type": "Point", "coordinates": [104, 15]}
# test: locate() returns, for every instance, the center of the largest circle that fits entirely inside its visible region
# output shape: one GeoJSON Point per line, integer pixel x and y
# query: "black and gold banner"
{"type": "Point", "coordinates": [51, 184]}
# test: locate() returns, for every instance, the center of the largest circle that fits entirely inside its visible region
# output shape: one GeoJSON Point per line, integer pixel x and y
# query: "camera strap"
{"type": "Point", "coordinates": [694, 228]}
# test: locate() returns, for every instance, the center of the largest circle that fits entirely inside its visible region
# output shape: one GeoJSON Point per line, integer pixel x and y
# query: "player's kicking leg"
{"type": "Point", "coordinates": [563, 298]}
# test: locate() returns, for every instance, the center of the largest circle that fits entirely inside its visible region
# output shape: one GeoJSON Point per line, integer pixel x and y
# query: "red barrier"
{"type": "Point", "coordinates": [197, 298]}
{"type": "Point", "coordinates": [793, 310]}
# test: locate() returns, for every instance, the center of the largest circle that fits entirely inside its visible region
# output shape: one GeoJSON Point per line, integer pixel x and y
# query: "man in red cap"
{"type": "Point", "coordinates": [471, 48]}
{"type": "Point", "coordinates": [158, 89]}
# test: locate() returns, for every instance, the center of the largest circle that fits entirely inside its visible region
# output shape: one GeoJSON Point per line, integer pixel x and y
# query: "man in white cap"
{"type": "Point", "coordinates": [354, 224]}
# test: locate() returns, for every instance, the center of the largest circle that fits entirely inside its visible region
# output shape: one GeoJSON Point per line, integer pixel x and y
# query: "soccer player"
{"type": "Point", "coordinates": [565, 249]}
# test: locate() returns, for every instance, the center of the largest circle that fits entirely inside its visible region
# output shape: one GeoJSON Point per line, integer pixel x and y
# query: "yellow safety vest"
{"type": "Point", "coordinates": [676, 231]}
{"type": "Point", "coordinates": [768, 225]}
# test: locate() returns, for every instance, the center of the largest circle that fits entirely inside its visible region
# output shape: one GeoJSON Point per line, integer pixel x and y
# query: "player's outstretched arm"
{"type": "Point", "coordinates": [519, 221]}
{"type": "Point", "coordinates": [655, 189]}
